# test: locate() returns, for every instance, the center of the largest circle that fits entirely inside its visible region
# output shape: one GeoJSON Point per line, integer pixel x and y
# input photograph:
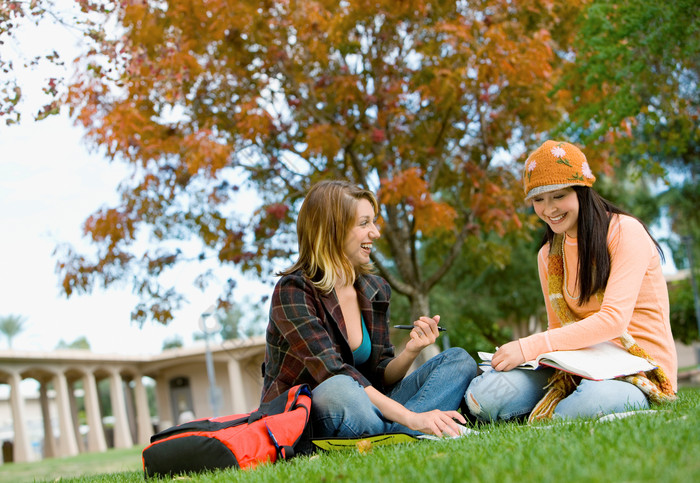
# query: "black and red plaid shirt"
{"type": "Point", "coordinates": [307, 341]}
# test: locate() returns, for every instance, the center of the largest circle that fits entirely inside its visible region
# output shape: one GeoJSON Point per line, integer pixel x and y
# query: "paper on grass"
{"type": "Point", "coordinates": [463, 431]}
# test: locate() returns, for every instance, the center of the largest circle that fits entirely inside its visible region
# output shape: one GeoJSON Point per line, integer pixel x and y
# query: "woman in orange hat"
{"type": "Point", "coordinates": [601, 277]}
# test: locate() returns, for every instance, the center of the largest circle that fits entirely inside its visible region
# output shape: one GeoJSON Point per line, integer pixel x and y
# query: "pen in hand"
{"type": "Point", "coordinates": [411, 327]}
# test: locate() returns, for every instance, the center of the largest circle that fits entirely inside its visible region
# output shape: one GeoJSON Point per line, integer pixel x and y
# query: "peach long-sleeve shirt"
{"type": "Point", "coordinates": [635, 300]}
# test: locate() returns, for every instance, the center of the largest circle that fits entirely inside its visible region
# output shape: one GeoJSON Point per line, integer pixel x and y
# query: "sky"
{"type": "Point", "coordinates": [50, 182]}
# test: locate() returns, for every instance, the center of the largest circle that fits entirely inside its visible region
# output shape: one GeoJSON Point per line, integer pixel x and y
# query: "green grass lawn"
{"type": "Point", "coordinates": [662, 446]}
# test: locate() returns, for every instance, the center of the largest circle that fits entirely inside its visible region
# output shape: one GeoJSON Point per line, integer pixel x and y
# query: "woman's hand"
{"type": "Point", "coordinates": [425, 333]}
{"type": "Point", "coordinates": [508, 356]}
{"type": "Point", "coordinates": [439, 423]}
{"type": "Point", "coordinates": [434, 422]}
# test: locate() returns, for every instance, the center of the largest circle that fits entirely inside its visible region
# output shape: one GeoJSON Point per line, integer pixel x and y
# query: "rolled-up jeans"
{"type": "Point", "coordinates": [495, 395]}
{"type": "Point", "coordinates": [340, 406]}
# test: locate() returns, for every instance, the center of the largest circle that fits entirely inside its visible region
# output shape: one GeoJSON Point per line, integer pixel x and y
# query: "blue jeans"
{"type": "Point", "coordinates": [341, 407]}
{"type": "Point", "coordinates": [502, 396]}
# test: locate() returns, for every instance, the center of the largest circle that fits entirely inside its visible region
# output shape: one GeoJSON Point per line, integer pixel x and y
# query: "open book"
{"type": "Point", "coordinates": [601, 361]}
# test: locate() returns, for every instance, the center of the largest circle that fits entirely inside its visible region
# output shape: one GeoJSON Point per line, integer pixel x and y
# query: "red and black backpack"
{"type": "Point", "coordinates": [278, 429]}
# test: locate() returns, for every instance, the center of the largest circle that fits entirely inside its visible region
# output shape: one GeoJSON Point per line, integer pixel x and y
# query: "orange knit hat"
{"type": "Point", "coordinates": [553, 166]}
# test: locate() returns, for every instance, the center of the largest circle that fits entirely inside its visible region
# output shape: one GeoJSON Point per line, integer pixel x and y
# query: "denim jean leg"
{"type": "Point", "coordinates": [597, 398]}
{"type": "Point", "coordinates": [341, 407]}
{"type": "Point", "coordinates": [496, 395]}
{"type": "Point", "coordinates": [438, 384]}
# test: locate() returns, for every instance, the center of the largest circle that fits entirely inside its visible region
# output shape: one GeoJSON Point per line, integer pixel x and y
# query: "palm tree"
{"type": "Point", "coordinates": [10, 326]}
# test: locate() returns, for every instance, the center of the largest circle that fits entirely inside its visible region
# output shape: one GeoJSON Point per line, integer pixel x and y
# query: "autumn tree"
{"type": "Point", "coordinates": [430, 104]}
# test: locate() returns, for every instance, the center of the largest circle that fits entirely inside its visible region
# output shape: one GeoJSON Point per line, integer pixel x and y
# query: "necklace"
{"type": "Point", "coordinates": [563, 261]}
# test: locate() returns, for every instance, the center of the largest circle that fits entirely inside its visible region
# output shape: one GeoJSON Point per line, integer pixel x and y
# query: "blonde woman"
{"type": "Point", "coordinates": [329, 328]}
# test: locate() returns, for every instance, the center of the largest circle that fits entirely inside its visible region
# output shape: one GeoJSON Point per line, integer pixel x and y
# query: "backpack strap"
{"type": "Point", "coordinates": [286, 401]}
{"type": "Point", "coordinates": [255, 415]}
{"type": "Point", "coordinates": [283, 451]}
{"type": "Point", "coordinates": [199, 425]}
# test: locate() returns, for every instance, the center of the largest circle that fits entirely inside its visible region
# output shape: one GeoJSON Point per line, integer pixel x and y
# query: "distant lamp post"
{"type": "Point", "coordinates": [210, 325]}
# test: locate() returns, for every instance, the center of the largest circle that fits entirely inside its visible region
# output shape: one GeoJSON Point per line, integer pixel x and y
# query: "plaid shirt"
{"type": "Point", "coordinates": [307, 341]}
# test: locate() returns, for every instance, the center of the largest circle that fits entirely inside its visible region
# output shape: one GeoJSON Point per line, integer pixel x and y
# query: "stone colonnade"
{"type": "Point", "coordinates": [63, 371]}
{"type": "Point", "coordinates": [237, 376]}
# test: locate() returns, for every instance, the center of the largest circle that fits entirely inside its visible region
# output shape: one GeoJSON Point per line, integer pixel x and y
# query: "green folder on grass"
{"type": "Point", "coordinates": [333, 444]}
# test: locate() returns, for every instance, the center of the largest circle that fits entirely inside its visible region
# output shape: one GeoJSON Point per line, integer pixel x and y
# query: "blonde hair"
{"type": "Point", "coordinates": [325, 218]}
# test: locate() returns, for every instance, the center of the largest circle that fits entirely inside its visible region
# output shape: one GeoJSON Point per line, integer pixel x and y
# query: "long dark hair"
{"type": "Point", "coordinates": [594, 215]}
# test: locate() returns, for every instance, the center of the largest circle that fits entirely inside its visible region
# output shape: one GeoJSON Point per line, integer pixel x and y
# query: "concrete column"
{"type": "Point", "coordinates": [21, 446]}
{"type": "Point", "coordinates": [165, 416]}
{"type": "Point", "coordinates": [68, 446]}
{"type": "Point", "coordinates": [75, 417]}
{"type": "Point", "coordinates": [122, 435]}
{"type": "Point", "coordinates": [143, 413]}
{"type": "Point", "coordinates": [239, 405]}
{"type": "Point", "coordinates": [96, 434]}
{"type": "Point", "coordinates": [130, 409]}
{"type": "Point", "coordinates": [50, 450]}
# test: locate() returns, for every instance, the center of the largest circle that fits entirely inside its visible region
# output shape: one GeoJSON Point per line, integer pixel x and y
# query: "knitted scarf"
{"type": "Point", "coordinates": [654, 384]}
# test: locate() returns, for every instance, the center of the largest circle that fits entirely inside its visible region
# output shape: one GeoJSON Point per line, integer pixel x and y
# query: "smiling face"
{"type": "Point", "coordinates": [358, 242]}
{"type": "Point", "coordinates": [559, 209]}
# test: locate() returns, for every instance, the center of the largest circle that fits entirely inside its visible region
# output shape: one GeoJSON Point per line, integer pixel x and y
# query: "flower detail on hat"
{"type": "Point", "coordinates": [586, 170]}
{"type": "Point", "coordinates": [558, 152]}
{"type": "Point", "coordinates": [530, 168]}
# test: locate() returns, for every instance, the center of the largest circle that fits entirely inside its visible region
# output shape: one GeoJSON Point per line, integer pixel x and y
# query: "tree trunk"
{"type": "Point", "coordinates": [420, 305]}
